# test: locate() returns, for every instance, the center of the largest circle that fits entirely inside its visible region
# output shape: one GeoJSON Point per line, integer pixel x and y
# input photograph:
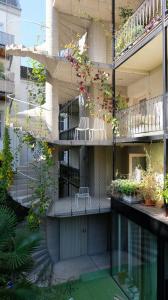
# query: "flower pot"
{"type": "Point", "coordinates": [149, 202]}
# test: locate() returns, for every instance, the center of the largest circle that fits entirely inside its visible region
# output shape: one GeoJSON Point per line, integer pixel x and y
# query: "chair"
{"type": "Point", "coordinates": [83, 193]}
{"type": "Point", "coordinates": [98, 127]}
{"type": "Point", "coordinates": [83, 126]}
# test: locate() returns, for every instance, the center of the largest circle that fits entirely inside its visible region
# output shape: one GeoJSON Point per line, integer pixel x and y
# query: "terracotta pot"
{"type": "Point", "coordinates": [149, 202]}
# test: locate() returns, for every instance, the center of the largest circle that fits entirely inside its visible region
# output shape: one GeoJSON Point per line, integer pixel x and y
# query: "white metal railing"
{"type": "Point", "coordinates": [144, 117]}
{"type": "Point", "coordinates": [145, 18]}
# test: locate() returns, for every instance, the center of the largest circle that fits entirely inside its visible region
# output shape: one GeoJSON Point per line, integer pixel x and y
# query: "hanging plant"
{"type": "Point", "coordinates": [101, 106]}
{"type": "Point", "coordinates": [125, 14]}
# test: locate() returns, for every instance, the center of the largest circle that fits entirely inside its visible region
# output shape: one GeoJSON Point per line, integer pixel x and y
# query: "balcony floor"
{"type": "Point", "coordinates": [65, 207]}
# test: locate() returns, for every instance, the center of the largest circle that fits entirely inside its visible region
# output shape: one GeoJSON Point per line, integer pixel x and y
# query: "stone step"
{"type": "Point", "coordinates": [21, 192]}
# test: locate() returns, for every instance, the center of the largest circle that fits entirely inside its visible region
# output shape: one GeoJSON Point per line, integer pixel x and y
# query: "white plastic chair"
{"type": "Point", "coordinates": [83, 126]}
{"type": "Point", "coordinates": [99, 126]}
{"type": "Point", "coordinates": [83, 194]}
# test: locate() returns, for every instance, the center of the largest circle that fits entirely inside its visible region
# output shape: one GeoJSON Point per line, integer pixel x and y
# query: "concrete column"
{"type": "Point", "coordinates": [97, 43]}
{"type": "Point", "coordinates": [52, 28]}
{"type": "Point", "coordinates": [52, 106]}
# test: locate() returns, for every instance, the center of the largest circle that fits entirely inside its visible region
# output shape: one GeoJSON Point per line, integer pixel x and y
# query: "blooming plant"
{"type": "Point", "coordinates": [101, 106]}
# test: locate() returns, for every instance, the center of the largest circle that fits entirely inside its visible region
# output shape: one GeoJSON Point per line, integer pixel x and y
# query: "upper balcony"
{"type": "Point", "coordinates": [142, 119]}
{"type": "Point", "coordinates": [142, 24]}
{"type": "Point", "coordinates": [11, 3]}
{"type": "Point", "coordinates": [6, 38]}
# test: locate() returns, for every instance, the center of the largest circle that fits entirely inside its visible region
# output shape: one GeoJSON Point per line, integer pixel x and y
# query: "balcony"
{"type": "Point", "coordinates": [142, 119]}
{"type": "Point", "coordinates": [12, 3]}
{"type": "Point", "coordinates": [65, 207]}
{"type": "Point", "coordinates": [7, 83]}
{"type": "Point", "coordinates": [144, 20]}
{"type": "Point", "coordinates": [6, 38]}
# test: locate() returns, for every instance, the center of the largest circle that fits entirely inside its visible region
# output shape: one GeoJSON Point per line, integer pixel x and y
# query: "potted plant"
{"type": "Point", "coordinates": [149, 187]}
{"type": "Point", "coordinates": [126, 189]}
{"type": "Point", "coordinates": [165, 197]}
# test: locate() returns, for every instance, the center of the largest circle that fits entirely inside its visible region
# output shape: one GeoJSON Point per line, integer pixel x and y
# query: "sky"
{"type": "Point", "coordinates": [32, 11]}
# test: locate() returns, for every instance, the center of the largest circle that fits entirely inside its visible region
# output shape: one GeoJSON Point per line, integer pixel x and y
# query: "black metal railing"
{"type": "Point", "coordinates": [70, 174]}
{"type": "Point", "coordinates": [67, 134]}
{"type": "Point", "coordinates": [6, 38]}
{"type": "Point", "coordinates": [144, 117]}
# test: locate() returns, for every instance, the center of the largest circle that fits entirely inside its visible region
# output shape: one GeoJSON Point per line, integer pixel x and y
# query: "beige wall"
{"type": "Point", "coordinates": [147, 87]}
{"type": "Point", "coordinates": [154, 150]}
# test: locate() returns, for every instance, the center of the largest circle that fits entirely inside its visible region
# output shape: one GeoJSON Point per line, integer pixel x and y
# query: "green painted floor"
{"type": "Point", "coordinates": [94, 286]}
{"type": "Point", "coordinates": [98, 289]}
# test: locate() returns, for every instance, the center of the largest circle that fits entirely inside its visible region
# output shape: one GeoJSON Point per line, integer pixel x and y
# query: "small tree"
{"type": "Point", "coordinates": [16, 248]}
{"type": "Point", "coordinates": [6, 171]}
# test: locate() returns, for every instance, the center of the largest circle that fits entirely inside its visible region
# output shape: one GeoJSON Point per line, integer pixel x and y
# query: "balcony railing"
{"type": "Point", "coordinates": [142, 118]}
{"type": "Point", "coordinates": [67, 134]}
{"type": "Point", "coordinates": [6, 38]}
{"type": "Point", "coordinates": [145, 18]}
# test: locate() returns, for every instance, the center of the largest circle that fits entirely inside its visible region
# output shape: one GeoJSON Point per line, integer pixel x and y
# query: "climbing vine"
{"type": "Point", "coordinates": [100, 106]}
{"type": "Point", "coordinates": [42, 164]}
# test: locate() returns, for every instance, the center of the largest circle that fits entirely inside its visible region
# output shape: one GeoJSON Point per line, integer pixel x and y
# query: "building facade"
{"type": "Point", "coordinates": [84, 227]}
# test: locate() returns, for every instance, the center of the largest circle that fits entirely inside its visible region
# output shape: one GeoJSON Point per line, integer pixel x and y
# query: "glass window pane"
{"type": "Point", "coordinates": [134, 259]}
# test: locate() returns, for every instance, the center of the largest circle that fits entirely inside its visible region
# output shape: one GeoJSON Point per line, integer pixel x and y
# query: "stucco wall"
{"type": "Point", "coordinates": [147, 87]}
{"type": "Point", "coordinates": [155, 151]}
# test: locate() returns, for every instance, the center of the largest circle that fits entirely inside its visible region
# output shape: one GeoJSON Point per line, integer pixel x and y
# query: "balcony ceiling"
{"type": "Point", "coordinates": [146, 59]}
{"type": "Point", "coordinates": [99, 9]}
{"type": "Point", "coordinates": [70, 27]}
{"type": "Point", "coordinates": [67, 92]}
{"type": "Point", "coordinates": [141, 63]}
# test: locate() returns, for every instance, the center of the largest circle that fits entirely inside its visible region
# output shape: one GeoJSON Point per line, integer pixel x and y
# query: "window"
{"type": "Point", "coordinates": [137, 161]}
{"type": "Point", "coordinates": [134, 259]}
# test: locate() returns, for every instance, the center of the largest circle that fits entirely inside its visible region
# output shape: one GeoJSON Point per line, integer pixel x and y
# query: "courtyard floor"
{"type": "Point", "coordinates": [87, 288]}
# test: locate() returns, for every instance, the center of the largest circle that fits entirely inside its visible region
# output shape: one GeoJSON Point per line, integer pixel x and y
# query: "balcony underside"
{"type": "Point", "coordinates": [140, 44]}
{"type": "Point", "coordinates": [83, 143]}
{"type": "Point", "coordinates": [67, 207]}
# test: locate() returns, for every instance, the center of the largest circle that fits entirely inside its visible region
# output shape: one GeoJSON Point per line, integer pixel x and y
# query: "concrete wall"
{"type": "Point", "coordinates": [74, 157]}
{"type": "Point", "coordinates": [100, 170]}
{"type": "Point", "coordinates": [77, 236]}
{"type": "Point", "coordinates": [53, 238]}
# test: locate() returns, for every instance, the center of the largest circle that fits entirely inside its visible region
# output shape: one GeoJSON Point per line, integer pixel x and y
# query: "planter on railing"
{"type": "Point", "coordinates": [144, 117]}
{"type": "Point", "coordinates": [145, 18]}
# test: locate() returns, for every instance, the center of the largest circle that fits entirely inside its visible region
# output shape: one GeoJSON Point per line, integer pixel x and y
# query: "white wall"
{"type": "Point", "coordinates": [147, 87]}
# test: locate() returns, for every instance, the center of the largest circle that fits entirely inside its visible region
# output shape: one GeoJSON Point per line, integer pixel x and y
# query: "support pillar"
{"type": "Point", "coordinates": [97, 43]}
{"type": "Point", "coordinates": [52, 109]}
{"type": "Point", "coordinates": [52, 29]}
